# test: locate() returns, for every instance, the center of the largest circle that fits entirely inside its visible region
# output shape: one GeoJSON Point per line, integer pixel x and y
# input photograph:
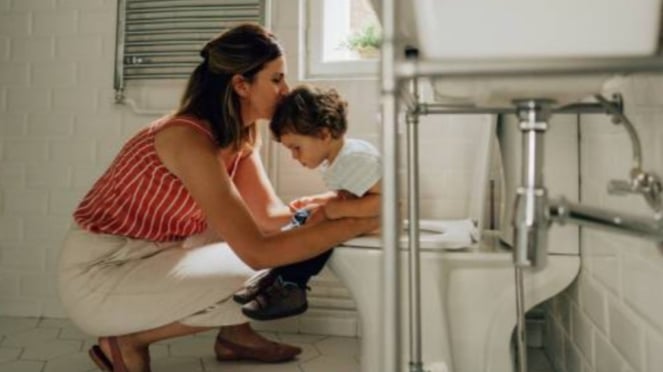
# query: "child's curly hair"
{"type": "Point", "coordinates": [307, 111]}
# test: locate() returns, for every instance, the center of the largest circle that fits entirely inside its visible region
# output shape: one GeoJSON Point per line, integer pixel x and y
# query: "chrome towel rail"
{"type": "Point", "coordinates": [161, 39]}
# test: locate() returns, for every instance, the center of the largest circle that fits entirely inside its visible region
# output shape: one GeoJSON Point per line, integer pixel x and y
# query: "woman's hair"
{"type": "Point", "coordinates": [307, 111]}
{"type": "Point", "coordinates": [243, 50]}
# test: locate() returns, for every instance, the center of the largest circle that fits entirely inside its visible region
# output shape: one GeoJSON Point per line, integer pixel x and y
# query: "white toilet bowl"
{"type": "Point", "coordinates": [467, 293]}
{"type": "Point", "coordinates": [467, 287]}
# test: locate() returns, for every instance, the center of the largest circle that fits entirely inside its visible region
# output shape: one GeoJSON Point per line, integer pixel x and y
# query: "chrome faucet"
{"type": "Point", "coordinates": [647, 184]}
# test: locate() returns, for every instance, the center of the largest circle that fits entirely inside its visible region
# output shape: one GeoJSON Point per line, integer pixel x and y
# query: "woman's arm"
{"type": "Point", "coordinates": [192, 157]}
{"type": "Point", "coordinates": [255, 188]}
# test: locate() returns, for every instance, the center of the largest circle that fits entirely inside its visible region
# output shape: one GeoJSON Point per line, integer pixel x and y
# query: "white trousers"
{"type": "Point", "coordinates": [112, 285]}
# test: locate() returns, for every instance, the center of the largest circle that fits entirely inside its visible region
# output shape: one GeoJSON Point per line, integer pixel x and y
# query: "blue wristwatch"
{"type": "Point", "coordinates": [300, 217]}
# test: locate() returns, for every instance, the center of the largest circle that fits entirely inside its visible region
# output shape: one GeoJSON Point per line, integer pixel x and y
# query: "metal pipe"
{"type": "Point", "coordinates": [189, 7]}
{"type": "Point", "coordinates": [391, 347]}
{"type": "Point", "coordinates": [412, 122]}
{"type": "Point", "coordinates": [118, 79]}
{"type": "Point", "coordinates": [155, 76]}
{"type": "Point", "coordinates": [651, 228]}
{"type": "Point", "coordinates": [169, 27]}
{"type": "Point", "coordinates": [620, 118]}
{"type": "Point", "coordinates": [472, 68]}
{"type": "Point", "coordinates": [167, 38]}
{"type": "Point", "coordinates": [178, 53]}
{"type": "Point", "coordinates": [156, 63]}
{"type": "Point", "coordinates": [206, 19]}
{"type": "Point", "coordinates": [530, 220]}
{"type": "Point", "coordinates": [185, 45]}
{"type": "Point", "coordinates": [606, 107]}
{"type": "Point", "coordinates": [435, 109]}
{"type": "Point", "coordinates": [409, 101]}
{"type": "Point", "coordinates": [521, 341]}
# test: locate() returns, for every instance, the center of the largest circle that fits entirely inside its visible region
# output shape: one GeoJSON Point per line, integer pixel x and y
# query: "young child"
{"type": "Point", "coordinates": [312, 123]}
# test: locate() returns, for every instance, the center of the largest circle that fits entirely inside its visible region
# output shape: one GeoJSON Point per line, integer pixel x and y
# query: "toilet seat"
{"type": "Point", "coordinates": [433, 235]}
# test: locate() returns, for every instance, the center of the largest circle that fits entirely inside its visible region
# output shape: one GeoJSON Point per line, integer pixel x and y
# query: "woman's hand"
{"type": "Point", "coordinates": [303, 202]}
{"type": "Point", "coordinates": [317, 215]}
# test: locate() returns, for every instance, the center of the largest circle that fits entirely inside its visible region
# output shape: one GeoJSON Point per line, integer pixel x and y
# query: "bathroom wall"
{"type": "Point", "coordinates": [60, 128]}
{"type": "Point", "coordinates": [611, 318]}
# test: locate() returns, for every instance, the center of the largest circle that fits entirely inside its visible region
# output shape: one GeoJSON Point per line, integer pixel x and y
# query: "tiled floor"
{"type": "Point", "coordinates": [55, 345]}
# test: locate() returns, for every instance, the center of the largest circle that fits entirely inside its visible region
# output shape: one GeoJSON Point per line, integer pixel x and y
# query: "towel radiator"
{"type": "Point", "coordinates": [161, 39]}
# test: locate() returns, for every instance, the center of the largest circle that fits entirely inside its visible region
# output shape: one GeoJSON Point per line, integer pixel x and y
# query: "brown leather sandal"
{"type": "Point", "coordinates": [101, 360]}
{"type": "Point", "coordinates": [273, 353]}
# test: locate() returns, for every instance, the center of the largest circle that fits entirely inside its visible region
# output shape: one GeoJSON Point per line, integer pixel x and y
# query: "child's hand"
{"type": "Point", "coordinates": [311, 201]}
{"type": "Point", "coordinates": [317, 215]}
{"type": "Point", "coordinates": [303, 202]}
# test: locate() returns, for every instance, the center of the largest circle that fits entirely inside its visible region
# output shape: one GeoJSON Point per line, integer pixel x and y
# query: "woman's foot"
{"type": "Point", "coordinates": [121, 352]}
{"type": "Point", "coordinates": [242, 342]}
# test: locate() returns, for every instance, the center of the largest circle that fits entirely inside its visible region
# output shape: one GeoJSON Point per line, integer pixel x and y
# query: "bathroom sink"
{"type": "Point", "coordinates": [501, 92]}
{"type": "Point", "coordinates": [536, 28]}
{"type": "Point", "coordinates": [459, 32]}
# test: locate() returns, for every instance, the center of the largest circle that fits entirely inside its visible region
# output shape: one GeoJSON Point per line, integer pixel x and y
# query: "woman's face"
{"type": "Point", "coordinates": [265, 91]}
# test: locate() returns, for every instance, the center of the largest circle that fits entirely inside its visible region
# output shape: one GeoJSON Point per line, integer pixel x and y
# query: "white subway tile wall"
{"type": "Point", "coordinates": [59, 128]}
{"type": "Point", "coordinates": [54, 136]}
{"type": "Point", "coordinates": [617, 311]}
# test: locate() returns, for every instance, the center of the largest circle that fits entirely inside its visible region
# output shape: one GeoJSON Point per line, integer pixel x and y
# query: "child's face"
{"type": "Point", "coordinates": [309, 151]}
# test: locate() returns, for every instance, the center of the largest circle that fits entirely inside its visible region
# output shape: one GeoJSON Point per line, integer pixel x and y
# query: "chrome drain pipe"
{"type": "Point", "coordinates": [530, 214]}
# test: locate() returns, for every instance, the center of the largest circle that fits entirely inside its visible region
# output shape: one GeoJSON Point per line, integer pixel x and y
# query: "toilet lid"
{"type": "Point", "coordinates": [433, 235]}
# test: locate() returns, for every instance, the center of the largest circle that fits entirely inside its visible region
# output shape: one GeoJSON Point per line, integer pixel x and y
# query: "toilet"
{"type": "Point", "coordinates": [467, 279]}
{"type": "Point", "coordinates": [468, 293]}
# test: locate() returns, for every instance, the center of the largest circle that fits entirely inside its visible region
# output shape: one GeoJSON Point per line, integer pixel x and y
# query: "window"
{"type": "Point", "coordinates": [342, 39]}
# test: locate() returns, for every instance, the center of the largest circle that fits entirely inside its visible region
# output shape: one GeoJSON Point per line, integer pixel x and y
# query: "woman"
{"type": "Point", "coordinates": [126, 274]}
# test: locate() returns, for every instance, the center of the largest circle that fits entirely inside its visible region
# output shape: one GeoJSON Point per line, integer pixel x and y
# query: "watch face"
{"type": "Point", "coordinates": [301, 216]}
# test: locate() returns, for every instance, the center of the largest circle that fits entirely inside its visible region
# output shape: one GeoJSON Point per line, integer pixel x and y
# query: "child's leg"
{"type": "Point", "coordinates": [286, 295]}
{"type": "Point", "coordinates": [301, 272]}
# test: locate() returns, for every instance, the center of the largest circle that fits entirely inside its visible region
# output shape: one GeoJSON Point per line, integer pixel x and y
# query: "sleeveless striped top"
{"type": "Point", "coordinates": [139, 197]}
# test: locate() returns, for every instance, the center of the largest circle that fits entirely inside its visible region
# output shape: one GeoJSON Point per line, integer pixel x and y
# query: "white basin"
{"type": "Point", "coordinates": [475, 30]}
{"type": "Point", "coordinates": [536, 28]}
{"type": "Point", "coordinates": [502, 92]}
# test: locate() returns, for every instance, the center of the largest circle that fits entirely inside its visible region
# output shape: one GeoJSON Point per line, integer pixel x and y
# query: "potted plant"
{"type": "Point", "coordinates": [365, 42]}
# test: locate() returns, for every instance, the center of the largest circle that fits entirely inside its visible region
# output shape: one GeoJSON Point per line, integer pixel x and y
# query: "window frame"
{"type": "Point", "coordinates": [312, 35]}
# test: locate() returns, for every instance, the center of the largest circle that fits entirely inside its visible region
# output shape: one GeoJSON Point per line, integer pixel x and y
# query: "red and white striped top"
{"type": "Point", "coordinates": [139, 197]}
